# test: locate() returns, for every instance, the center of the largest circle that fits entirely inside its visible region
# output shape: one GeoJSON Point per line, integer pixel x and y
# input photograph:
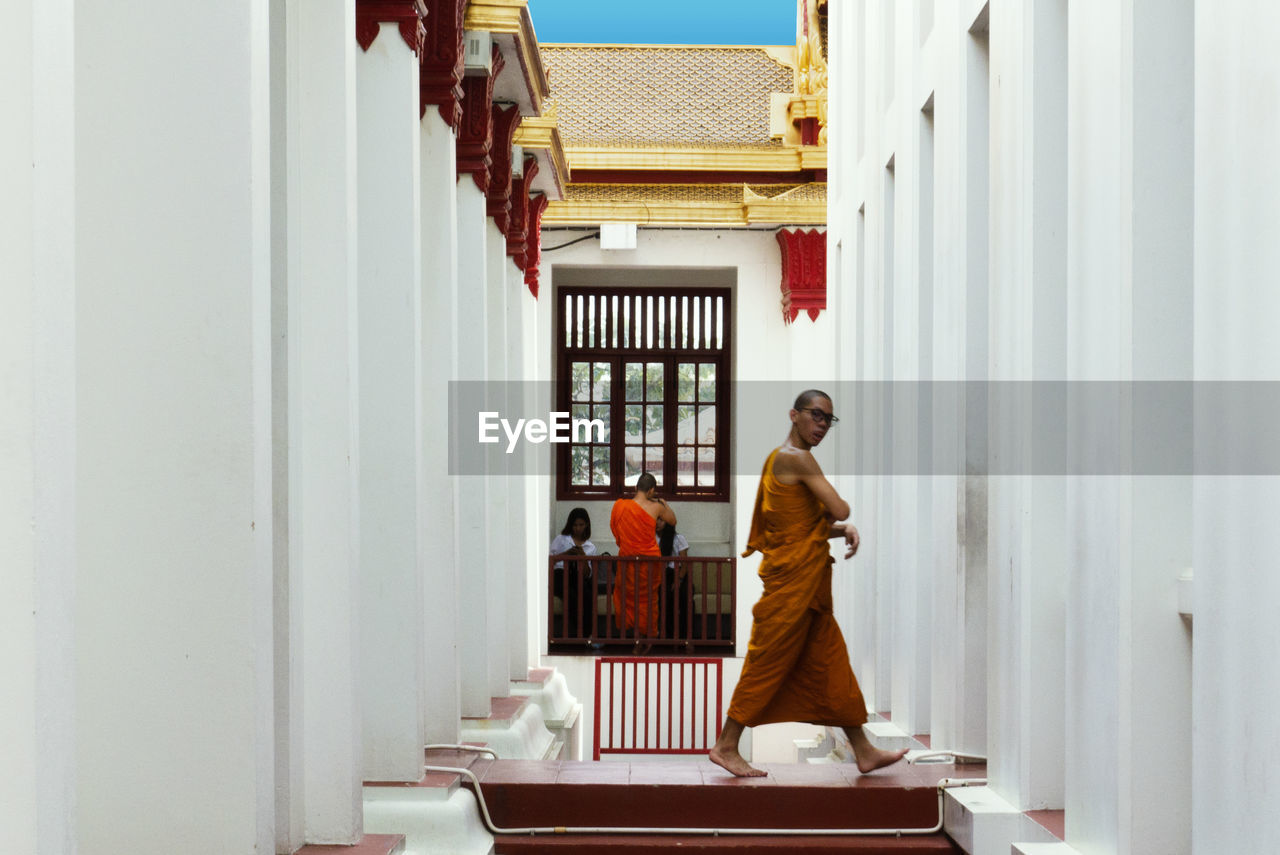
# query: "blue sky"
{"type": "Point", "coordinates": [715, 22]}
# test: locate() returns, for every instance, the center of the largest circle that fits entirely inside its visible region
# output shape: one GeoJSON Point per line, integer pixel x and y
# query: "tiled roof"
{"type": "Point", "coordinates": [639, 96]}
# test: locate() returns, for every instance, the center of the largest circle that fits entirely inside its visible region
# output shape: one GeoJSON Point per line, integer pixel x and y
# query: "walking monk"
{"type": "Point", "coordinates": [797, 668]}
{"type": "Point", "coordinates": [638, 589]}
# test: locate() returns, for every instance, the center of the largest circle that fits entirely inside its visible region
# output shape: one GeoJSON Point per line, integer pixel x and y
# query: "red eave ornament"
{"type": "Point", "coordinates": [804, 272]}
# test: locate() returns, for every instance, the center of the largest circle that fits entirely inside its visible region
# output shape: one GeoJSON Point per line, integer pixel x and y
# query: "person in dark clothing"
{"type": "Point", "coordinates": [677, 600]}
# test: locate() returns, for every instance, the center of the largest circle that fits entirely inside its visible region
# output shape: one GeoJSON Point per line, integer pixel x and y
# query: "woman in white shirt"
{"type": "Point", "coordinates": [675, 581]}
{"type": "Point", "coordinates": [571, 580]}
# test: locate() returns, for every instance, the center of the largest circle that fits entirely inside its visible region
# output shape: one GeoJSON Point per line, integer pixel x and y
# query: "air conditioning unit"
{"type": "Point", "coordinates": [477, 46]}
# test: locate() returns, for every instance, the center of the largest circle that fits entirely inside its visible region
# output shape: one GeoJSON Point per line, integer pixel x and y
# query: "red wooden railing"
{"type": "Point", "coordinates": [647, 705]}
{"type": "Point", "coordinates": [692, 606]}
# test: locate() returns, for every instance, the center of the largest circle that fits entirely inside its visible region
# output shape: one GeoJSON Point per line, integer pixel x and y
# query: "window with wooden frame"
{"type": "Point", "coordinates": [652, 365]}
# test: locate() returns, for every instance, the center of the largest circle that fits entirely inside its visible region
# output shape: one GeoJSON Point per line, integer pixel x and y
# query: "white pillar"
{"type": "Point", "coordinates": [881, 371]}
{"type": "Point", "coordinates": [441, 594]}
{"type": "Point", "coordinates": [498, 567]}
{"type": "Point", "coordinates": [173, 417]}
{"type": "Point", "coordinates": [1026, 507]}
{"type": "Point", "coordinates": [1237, 193]}
{"type": "Point", "coordinates": [1129, 318]}
{"type": "Point", "coordinates": [471, 530]}
{"type": "Point", "coordinates": [323, 450]}
{"type": "Point", "coordinates": [517, 578]}
{"type": "Point", "coordinates": [539, 487]}
{"type": "Point", "coordinates": [37, 427]}
{"type": "Point", "coordinates": [909, 517]}
{"type": "Point", "coordinates": [287, 613]}
{"type": "Point", "coordinates": [392, 559]}
{"type": "Point", "coordinates": [958, 696]}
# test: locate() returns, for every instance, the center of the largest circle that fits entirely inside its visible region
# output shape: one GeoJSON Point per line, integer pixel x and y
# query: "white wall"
{"type": "Point", "coordinates": [37, 435]}
{"type": "Point", "coordinates": [1053, 646]}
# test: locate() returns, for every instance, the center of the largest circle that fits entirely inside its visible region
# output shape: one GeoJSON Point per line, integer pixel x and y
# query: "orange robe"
{"type": "Point", "coordinates": [797, 666]}
{"type": "Point", "coordinates": [638, 586]}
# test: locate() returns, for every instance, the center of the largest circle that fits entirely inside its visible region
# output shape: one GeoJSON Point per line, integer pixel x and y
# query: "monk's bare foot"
{"type": "Point", "coordinates": [871, 758]}
{"type": "Point", "coordinates": [732, 761]}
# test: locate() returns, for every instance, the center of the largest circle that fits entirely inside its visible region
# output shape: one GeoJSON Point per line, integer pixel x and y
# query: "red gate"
{"type": "Point", "coordinates": [649, 705]}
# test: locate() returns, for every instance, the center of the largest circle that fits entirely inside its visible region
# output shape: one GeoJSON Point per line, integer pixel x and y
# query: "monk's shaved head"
{"type": "Point", "coordinates": [806, 397]}
{"type": "Point", "coordinates": [646, 482]}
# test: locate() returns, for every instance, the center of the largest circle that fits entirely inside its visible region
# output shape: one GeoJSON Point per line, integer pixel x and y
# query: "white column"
{"type": "Point", "coordinates": [290, 752]}
{"type": "Point", "coordinates": [517, 581]}
{"type": "Point", "coordinates": [1237, 193]}
{"type": "Point", "coordinates": [886, 484]}
{"type": "Point", "coordinates": [531, 483]}
{"type": "Point", "coordinates": [471, 530]}
{"type": "Point", "coordinates": [538, 349]}
{"type": "Point", "coordinates": [392, 560]}
{"type": "Point", "coordinates": [958, 696]}
{"type": "Point", "coordinates": [173, 477]}
{"type": "Point", "coordinates": [37, 427]}
{"type": "Point", "coordinates": [1026, 507]}
{"type": "Point", "coordinates": [498, 568]}
{"type": "Point", "coordinates": [1129, 318]}
{"type": "Point", "coordinates": [910, 600]}
{"type": "Point", "coordinates": [323, 447]}
{"type": "Point", "coordinates": [441, 594]}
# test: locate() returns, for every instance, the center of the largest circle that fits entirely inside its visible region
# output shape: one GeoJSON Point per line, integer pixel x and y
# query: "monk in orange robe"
{"type": "Point", "coordinates": [797, 666]}
{"type": "Point", "coordinates": [637, 591]}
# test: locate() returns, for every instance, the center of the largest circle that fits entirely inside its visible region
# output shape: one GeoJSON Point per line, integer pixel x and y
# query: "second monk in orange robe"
{"type": "Point", "coordinates": [637, 590]}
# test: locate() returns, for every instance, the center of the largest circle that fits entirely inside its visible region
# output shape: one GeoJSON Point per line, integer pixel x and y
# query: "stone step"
{"type": "Point", "coordinates": [694, 793]}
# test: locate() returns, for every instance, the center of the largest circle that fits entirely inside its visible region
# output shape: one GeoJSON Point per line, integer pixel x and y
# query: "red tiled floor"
{"type": "Point", "coordinates": [1055, 821]}
{"type": "Point", "coordinates": [456, 757]}
{"type": "Point", "coordinates": [520, 771]}
{"type": "Point", "coordinates": [370, 844]}
{"type": "Point", "coordinates": [665, 773]}
{"type": "Point", "coordinates": [502, 709]}
{"type": "Point", "coordinates": [540, 675]}
{"type": "Point", "coordinates": [814, 775]}
{"type": "Point", "coordinates": [755, 845]}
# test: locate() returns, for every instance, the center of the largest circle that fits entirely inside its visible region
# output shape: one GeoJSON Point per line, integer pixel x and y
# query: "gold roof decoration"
{"type": "Point", "coordinates": [811, 66]}
{"type": "Point", "coordinates": [690, 204]}
{"type": "Point", "coordinates": [639, 96]}
{"type": "Point", "coordinates": [542, 134]}
{"type": "Point", "coordinates": [803, 193]}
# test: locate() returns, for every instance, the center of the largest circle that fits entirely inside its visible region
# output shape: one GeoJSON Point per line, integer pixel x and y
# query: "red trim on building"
{"type": "Point", "coordinates": [498, 206]}
{"type": "Point", "coordinates": [518, 230]}
{"type": "Point", "coordinates": [692, 176]}
{"type": "Point", "coordinates": [804, 272]}
{"type": "Point", "coordinates": [533, 242]}
{"type": "Point", "coordinates": [408, 14]}
{"type": "Point", "coordinates": [475, 134]}
{"type": "Point", "coordinates": [440, 80]}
